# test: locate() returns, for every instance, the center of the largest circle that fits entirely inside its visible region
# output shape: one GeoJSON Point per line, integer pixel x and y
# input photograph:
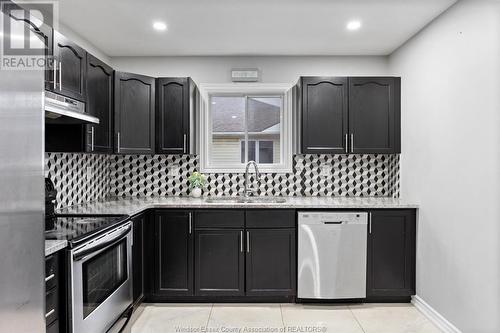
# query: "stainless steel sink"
{"type": "Point", "coordinates": [245, 200]}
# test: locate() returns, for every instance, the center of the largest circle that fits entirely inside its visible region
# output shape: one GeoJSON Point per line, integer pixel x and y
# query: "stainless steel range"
{"type": "Point", "coordinates": [99, 270]}
{"type": "Point", "coordinates": [101, 280]}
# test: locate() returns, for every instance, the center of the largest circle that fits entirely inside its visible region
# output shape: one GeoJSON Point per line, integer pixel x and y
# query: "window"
{"type": "Point", "coordinates": [245, 125]}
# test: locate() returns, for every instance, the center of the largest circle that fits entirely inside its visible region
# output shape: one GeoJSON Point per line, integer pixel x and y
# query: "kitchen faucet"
{"type": "Point", "coordinates": [251, 191]}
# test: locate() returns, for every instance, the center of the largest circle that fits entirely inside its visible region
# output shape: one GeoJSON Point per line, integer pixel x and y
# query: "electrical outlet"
{"type": "Point", "coordinates": [326, 170]}
{"type": "Point", "coordinates": [89, 174]}
{"type": "Point", "coordinates": [174, 170]}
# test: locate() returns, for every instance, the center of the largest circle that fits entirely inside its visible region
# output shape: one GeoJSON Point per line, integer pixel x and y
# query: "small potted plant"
{"type": "Point", "coordinates": [196, 182]}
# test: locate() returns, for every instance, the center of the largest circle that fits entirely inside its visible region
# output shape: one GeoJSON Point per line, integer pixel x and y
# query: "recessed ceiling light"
{"type": "Point", "coordinates": [234, 117]}
{"type": "Point", "coordinates": [353, 25]}
{"type": "Point", "coordinates": [160, 26]}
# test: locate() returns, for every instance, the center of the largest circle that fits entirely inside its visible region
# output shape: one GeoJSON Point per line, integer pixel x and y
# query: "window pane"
{"type": "Point", "coordinates": [264, 125]}
{"type": "Point", "coordinates": [266, 151]}
{"type": "Point", "coordinates": [228, 128]}
{"type": "Point", "coordinates": [251, 151]}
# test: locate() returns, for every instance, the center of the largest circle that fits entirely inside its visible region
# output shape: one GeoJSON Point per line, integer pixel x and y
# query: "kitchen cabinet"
{"type": "Point", "coordinates": [219, 256]}
{"type": "Point", "coordinates": [138, 260]}
{"type": "Point", "coordinates": [219, 262]}
{"type": "Point", "coordinates": [175, 112]}
{"type": "Point", "coordinates": [355, 115]}
{"type": "Point", "coordinates": [134, 114]}
{"type": "Point", "coordinates": [70, 61]}
{"type": "Point", "coordinates": [54, 294]}
{"type": "Point", "coordinates": [43, 31]}
{"type": "Point", "coordinates": [270, 262]}
{"type": "Point", "coordinates": [173, 268]}
{"type": "Point", "coordinates": [374, 115]}
{"type": "Point", "coordinates": [99, 104]}
{"type": "Point", "coordinates": [324, 115]}
{"type": "Point", "coordinates": [391, 255]}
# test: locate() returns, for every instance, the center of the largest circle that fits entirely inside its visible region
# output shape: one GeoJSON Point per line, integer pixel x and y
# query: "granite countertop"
{"type": "Point", "coordinates": [52, 246]}
{"type": "Point", "coordinates": [131, 206]}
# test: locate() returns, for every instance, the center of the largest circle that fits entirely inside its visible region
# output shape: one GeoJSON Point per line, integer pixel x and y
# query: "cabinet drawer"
{"type": "Point", "coordinates": [270, 218]}
{"type": "Point", "coordinates": [53, 328]}
{"type": "Point", "coordinates": [219, 219]}
{"type": "Point", "coordinates": [51, 271]}
{"type": "Point", "coordinates": [51, 306]}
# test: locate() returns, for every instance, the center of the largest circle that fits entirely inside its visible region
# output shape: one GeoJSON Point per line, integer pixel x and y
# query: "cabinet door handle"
{"type": "Point", "coordinates": [248, 241]}
{"type": "Point", "coordinates": [54, 71]}
{"type": "Point", "coordinates": [51, 312]}
{"type": "Point", "coordinates": [118, 142]}
{"type": "Point", "coordinates": [370, 223]}
{"type": "Point", "coordinates": [190, 223]}
{"type": "Point", "coordinates": [92, 141]}
{"type": "Point", "coordinates": [241, 241]}
{"type": "Point", "coordinates": [185, 141]}
{"type": "Point", "coordinates": [60, 75]}
{"type": "Point", "coordinates": [346, 143]}
{"type": "Point", "coordinates": [50, 277]}
{"type": "Point", "coordinates": [352, 143]}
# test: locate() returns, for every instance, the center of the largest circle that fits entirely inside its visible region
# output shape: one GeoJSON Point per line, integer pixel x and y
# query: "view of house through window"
{"type": "Point", "coordinates": [245, 128]}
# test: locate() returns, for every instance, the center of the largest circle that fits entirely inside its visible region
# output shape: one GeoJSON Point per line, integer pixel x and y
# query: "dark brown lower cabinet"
{"type": "Point", "coordinates": [219, 262]}
{"type": "Point", "coordinates": [139, 223]}
{"type": "Point", "coordinates": [270, 262]}
{"type": "Point", "coordinates": [173, 267]}
{"type": "Point", "coordinates": [391, 255]}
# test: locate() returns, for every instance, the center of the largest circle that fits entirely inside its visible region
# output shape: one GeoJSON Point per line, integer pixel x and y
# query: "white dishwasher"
{"type": "Point", "coordinates": [332, 255]}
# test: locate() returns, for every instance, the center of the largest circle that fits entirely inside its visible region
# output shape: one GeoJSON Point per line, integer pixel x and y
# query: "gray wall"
{"type": "Point", "coordinates": [451, 160]}
{"type": "Point", "coordinates": [273, 69]}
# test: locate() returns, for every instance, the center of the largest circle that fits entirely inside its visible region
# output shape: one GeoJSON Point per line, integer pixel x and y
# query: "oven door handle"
{"type": "Point", "coordinates": [101, 246]}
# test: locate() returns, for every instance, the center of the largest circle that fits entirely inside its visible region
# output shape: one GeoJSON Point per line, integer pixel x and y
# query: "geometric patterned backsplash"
{"type": "Point", "coordinates": [166, 175]}
{"type": "Point", "coordinates": [78, 178]}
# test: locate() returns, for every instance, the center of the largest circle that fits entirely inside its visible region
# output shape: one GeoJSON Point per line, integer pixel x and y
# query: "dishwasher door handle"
{"type": "Point", "coordinates": [333, 222]}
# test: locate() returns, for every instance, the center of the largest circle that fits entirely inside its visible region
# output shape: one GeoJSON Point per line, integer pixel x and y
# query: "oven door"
{"type": "Point", "coordinates": [101, 279]}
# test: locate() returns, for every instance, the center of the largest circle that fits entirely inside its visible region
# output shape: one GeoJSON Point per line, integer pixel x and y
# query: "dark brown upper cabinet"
{"type": "Point", "coordinates": [99, 104]}
{"type": "Point", "coordinates": [374, 115]}
{"type": "Point", "coordinates": [174, 114]}
{"type": "Point", "coordinates": [358, 115]}
{"type": "Point", "coordinates": [134, 114]}
{"type": "Point", "coordinates": [391, 255]}
{"type": "Point", "coordinates": [44, 32]}
{"type": "Point", "coordinates": [324, 115]}
{"type": "Point", "coordinates": [70, 68]}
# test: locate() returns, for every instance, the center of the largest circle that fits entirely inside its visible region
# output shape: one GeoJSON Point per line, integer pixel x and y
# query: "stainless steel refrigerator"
{"type": "Point", "coordinates": [22, 298]}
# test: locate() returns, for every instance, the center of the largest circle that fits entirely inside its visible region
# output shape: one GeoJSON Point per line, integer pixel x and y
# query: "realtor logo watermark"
{"type": "Point", "coordinates": [26, 34]}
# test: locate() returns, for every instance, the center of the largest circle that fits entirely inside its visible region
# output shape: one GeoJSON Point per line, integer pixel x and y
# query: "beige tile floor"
{"type": "Point", "coordinates": [296, 318]}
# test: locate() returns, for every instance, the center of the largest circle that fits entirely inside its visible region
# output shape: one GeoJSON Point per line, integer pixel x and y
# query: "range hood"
{"type": "Point", "coordinates": [64, 110]}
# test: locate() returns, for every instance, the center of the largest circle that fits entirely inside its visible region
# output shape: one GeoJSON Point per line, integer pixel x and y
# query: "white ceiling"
{"type": "Point", "coordinates": [248, 27]}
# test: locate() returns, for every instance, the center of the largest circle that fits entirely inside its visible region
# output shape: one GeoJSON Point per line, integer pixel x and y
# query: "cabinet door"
{"type": "Point", "coordinates": [391, 254]}
{"type": "Point", "coordinates": [100, 105]}
{"type": "Point", "coordinates": [71, 64]}
{"type": "Point", "coordinates": [270, 262]}
{"type": "Point", "coordinates": [374, 115]}
{"type": "Point", "coordinates": [138, 257]}
{"type": "Point", "coordinates": [174, 253]}
{"type": "Point", "coordinates": [43, 32]}
{"type": "Point", "coordinates": [324, 115]}
{"type": "Point", "coordinates": [219, 262]}
{"type": "Point", "coordinates": [134, 113]}
{"type": "Point", "coordinates": [172, 115]}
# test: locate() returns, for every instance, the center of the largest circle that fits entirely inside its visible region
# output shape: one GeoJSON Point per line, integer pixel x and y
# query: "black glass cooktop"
{"type": "Point", "coordinates": [76, 229]}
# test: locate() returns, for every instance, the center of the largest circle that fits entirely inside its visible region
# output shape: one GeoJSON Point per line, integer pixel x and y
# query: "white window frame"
{"type": "Point", "coordinates": [256, 89]}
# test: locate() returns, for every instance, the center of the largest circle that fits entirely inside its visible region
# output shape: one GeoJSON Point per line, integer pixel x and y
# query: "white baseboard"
{"type": "Point", "coordinates": [435, 317]}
